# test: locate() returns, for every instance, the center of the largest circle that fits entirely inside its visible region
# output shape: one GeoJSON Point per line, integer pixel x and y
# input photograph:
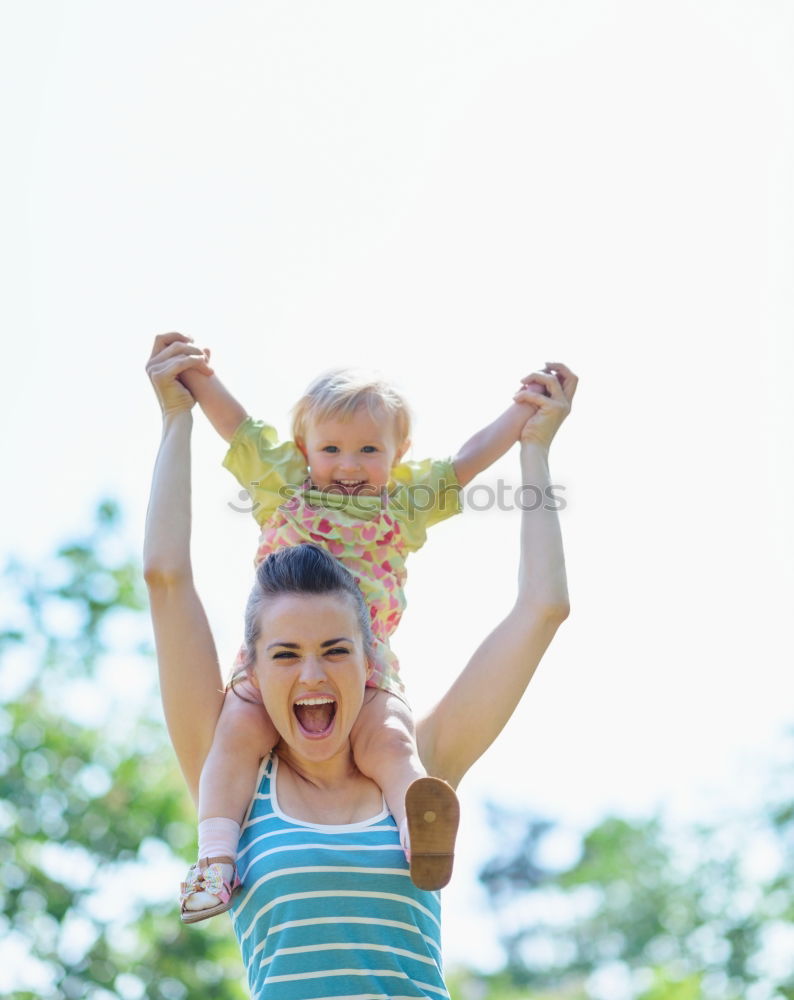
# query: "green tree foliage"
{"type": "Point", "coordinates": [643, 912]}
{"type": "Point", "coordinates": [92, 808]}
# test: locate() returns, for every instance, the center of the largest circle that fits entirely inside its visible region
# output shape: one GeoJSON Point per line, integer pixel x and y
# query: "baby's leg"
{"type": "Point", "coordinates": [425, 809]}
{"type": "Point", "coordinates": [384, 747]}
{"type": "Point", "coordinates": [243, 736]}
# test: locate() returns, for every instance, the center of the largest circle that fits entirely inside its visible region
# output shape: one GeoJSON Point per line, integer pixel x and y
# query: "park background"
{"type": "Point", "coordinates": [453, 193]}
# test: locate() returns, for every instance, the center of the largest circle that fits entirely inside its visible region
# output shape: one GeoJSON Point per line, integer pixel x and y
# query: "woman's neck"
{"type": "Point", "coordinates": [324, 774]}
{"type": "Point", "coordinates": [325, 792]}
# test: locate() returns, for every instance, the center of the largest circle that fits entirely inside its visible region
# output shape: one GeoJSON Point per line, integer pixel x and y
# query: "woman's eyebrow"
{"type": "Point", "coordinates": [296, 645]}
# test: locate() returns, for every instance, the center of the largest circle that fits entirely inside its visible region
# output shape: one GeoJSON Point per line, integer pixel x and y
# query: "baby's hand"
{"type": "Point", "coordinates": [172, 356]}
{"type": "Point", "coordinates": [527, 385]}
{"type": "Point", "coordinates": [193, 378]}
{"type": "Point", "coordinates": [549, 406]}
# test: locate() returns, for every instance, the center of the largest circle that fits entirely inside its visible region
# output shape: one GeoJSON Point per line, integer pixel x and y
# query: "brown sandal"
{"type": "Point", "coordinates": [207, 876]}
{"type": "Point", "coordinates": [433, 813]}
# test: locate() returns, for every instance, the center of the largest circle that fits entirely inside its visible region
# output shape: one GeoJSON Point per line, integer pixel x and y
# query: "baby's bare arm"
{"type": "Point", "coordinates": [493, 441]}
{"type": "Point", "coordinates": [490, 443]}
{"type": "Point", "coordinates": [220, 407]}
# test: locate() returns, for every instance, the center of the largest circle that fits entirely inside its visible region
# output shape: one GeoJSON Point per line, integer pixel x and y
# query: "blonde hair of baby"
{"type": "Point", "coordinates": [341, 392]}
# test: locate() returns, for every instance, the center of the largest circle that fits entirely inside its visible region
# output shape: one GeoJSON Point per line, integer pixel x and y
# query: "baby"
{"type": "Point", "coordinates": [339, 483]}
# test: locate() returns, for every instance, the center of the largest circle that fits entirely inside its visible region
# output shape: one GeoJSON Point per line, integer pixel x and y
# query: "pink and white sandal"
{"type": "Point", "coordinates": [207, 876]}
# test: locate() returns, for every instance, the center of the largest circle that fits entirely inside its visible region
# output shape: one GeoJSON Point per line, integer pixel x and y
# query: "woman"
{"type": "Point", "coordinates": [326, 907]}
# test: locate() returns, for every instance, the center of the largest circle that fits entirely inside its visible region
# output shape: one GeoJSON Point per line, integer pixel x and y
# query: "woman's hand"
{"type": "Point", "coordinates": [553, 405]}
{"type": "Point", "coordinates": [172, 354]}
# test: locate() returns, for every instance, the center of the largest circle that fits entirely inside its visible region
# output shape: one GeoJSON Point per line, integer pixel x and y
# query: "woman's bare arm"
{"type": "Point", "coordinates": [478, 705]}
{"type": "Point", "coordinates": [190, 678]}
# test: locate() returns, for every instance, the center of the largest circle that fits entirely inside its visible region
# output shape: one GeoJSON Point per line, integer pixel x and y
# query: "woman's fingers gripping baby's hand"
{"type": "Point", "coordinates": [563, 373]}
{"type": "Point", "coordinates": [568, 381]}
{"type": "Point", "coordinates": [553, 402]}
{"type": "Point", "coordinates": [528, 385]}
{"type": "Point", "coordinates": [163, 340]}
{"type": "Point", "coordinates": [172, 354]}
{"type": "Point", "coordinates": [177, 345]}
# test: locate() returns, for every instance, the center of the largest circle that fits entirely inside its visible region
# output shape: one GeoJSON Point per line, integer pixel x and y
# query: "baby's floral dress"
{"type": "Point", "coordinates": [371, 535]}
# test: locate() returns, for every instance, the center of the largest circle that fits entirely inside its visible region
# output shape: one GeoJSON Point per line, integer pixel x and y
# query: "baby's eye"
{"type": "Point", "coordinates": [330, 449]}
{"type": "Point", "coordinates": [369, 448]}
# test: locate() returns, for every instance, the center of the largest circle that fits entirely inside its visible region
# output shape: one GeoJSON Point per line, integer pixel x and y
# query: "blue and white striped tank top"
{"type": "Point", "coordinates": [330, 912]}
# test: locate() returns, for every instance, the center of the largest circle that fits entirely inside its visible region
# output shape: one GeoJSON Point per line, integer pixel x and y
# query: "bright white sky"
{"type": "Point", "coordinates": [452, 192]}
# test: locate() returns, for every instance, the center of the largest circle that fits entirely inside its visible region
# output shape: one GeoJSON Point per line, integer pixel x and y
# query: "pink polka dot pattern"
{"type": "Point", "coordinates": [373, 552]}
{"type": "Point", "coordinates": [371, 535]}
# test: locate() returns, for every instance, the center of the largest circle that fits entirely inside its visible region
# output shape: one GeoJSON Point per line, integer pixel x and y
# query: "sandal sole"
{"type": "Point", "coordinates": [433, 814]}
{"type": "Point", "coordinates": [194, 916]}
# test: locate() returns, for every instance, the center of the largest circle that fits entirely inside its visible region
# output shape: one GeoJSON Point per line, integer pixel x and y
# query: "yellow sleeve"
{"type": "Point", "coordinates": [268, 470]}
{"type": "Point", "coordinates": [424, 493]}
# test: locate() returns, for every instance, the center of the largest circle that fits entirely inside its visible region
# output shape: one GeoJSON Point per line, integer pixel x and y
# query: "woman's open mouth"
{"type": "Point", "coordinates": [315, 715]}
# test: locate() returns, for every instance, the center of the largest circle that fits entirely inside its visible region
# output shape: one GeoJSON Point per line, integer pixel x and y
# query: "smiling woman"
{"type": "Point", "coordinates": [307, 628]}
{"type": "Point", "coordinates": [318, 830]}
{"type": "Point", "coordinates": [326, 905]}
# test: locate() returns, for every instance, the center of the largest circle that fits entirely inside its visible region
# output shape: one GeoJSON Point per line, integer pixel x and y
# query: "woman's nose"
{"type": "Point", "coordinates": [312, 670]}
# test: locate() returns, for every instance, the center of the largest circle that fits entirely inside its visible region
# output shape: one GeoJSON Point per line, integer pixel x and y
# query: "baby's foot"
{"type": "Point", "coordinates": [208, 889]}
{"type": "Point", "coordinates": [432, 812]}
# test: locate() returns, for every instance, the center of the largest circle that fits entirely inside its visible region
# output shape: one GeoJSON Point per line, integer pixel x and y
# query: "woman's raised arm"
{"type": "Point", "coordinates": [475, 709]}
{"type": "Point", "coordinates": [190, 678]}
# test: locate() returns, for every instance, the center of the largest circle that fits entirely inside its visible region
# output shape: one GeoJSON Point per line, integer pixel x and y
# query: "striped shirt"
{"type": "Point", "coordinates": [330, 912]}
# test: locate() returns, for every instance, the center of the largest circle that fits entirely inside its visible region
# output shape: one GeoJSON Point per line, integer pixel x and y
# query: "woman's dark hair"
{"type": "Point", "coordinates": [301, 569]}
